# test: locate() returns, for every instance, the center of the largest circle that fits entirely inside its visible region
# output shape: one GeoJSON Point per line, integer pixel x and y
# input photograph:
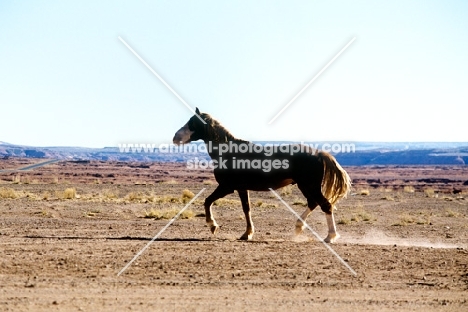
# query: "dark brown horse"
{"type": "Point", "coordinates": [242, 166]}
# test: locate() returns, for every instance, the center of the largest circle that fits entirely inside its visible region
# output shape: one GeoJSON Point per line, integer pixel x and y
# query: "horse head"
{"type": "Point", "coordinates": [193, 130]}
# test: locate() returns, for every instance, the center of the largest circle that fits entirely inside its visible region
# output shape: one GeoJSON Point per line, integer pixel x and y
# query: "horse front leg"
{"type": "Point", "coordinates": [244, 196]}
{"type": "Point", "coordinates": [218, 193]}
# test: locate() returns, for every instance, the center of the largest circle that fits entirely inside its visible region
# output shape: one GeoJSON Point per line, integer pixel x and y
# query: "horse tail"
{"type": "Point", "coordinates": [336, 183]}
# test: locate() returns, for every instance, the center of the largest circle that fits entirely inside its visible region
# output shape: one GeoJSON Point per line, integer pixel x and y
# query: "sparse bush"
{"type": "Point", "coordinates": [168, 214]}
{"type": "Point", "coordinates": [299, 202]}
{"type": "Point", "coordinates": [46, 195]}
{"type": "Point", "coordinates": [226, 202]}
{"type": "Point", "coordinates": [365, 216]}
{"type": "Point", "coordinates": [344, 221]}
{"type": "Point", "coordinates": [93, 212]}
{"type": "Point", "coordinates": [134, 196]}
{"type": "Point", "coordinates": [187, 194]}
{"type": "Point", "coordinates": [429, 192]}
{"type": "Point", "coordinates": [167, 199]}
{"type": "Point", "coordinates": [405, 219]}
{"type": "Point", "coordinates": [153, 214]}
{"type": "Point", "coordinates": [451, 214]}
{"type": "Point", "coordinates": [408, 189]}
{"type": "Point", "coordinates": [109, 194]}
{"type": "Point", "coordinates": [286, 191]}
{"type": "Point", "coordinates": [172, 181]}
{"type": "Point", "coordinates": [354, 218]}
{"type": "Point", "coordinates": [364, 192]}
{"type": "Point", "coordinates": [424, 221]}
{"type": "Point", "coordinates": [8, 193]}
{"type": "Point", "coordinates": [69, 193]}
{"type": "Point", "coordinates": [16, 179]}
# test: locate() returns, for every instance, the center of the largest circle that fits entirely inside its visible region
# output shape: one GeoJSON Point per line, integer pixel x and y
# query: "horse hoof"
{"type": "Point", "coordinates": [299, 230]}
{"type": "Point", "coordinates": [246, 237]}
{"type": "Point", "coordinates": [332, 238]}
{"type": "Point", "coordinates": [214, 229]}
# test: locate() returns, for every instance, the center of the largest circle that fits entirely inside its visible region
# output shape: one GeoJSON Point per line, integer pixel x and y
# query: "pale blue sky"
{"type": "Point", "coordinates": [66, 79]}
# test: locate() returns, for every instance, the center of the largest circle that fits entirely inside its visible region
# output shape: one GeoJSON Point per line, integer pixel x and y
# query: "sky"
{"type": "Point", "coordinates": [67, 80]}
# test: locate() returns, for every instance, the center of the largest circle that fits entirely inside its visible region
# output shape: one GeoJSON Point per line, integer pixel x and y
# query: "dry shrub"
{"type": "Point", "coordinates": [429, 192]}
{"type": "Point", "coordinates": [109, 194]}
{"type": "Point", "coordinates": [226, 202]}
{"type": "Point", "coordinates": [16, 179]}
{"type": "Point", "coordinates": [364, 192]}
{"type": "Point", "coordinates": [451, 214]}
{"type": "Point", "coordinates": [299, 202]}
{"type": "Point", "coordinates": [6, 192]}
{"type": "Point", "coordinates": [69, 193]}
{"type": "Point", "coordinates": [168, 214]}
{"type": "Point", "coordinates": [358, 214]}
{"type": "Point", "coordinates": [134, 196]}
{"type": "Point", "coordinates": [405, 219]}
{"type": "Point", "coordinates": [170, 182]}
{"type": "Point", "coordinates": [408, 189]}
{"type": "Point", "coordinates": [167, 199]}
{"type": "Point", "coordinates": [286, 191]}
{"type": "Point", "coordinates": [344, 221]}
{"type": "Point", "coordinates": [388, 198]}
{"type": "Point", "coordinates": [187, 194]}
{"type": "Point", "coordinates": [355, 218]}
{"type": "Point", "coordinates": [46, 195]}
{"type": "Point", "coordinates": [142, 198]}
{"type": "Point", "coordinates": [365, 216]}
{"type": "Point", "coordinates": [26, 180]}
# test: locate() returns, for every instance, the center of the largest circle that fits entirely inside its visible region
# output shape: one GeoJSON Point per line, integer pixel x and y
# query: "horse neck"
{"type": "Point", "coordinates": [215, 135]}
{"type": "Point", "coordinates": [215, 139]}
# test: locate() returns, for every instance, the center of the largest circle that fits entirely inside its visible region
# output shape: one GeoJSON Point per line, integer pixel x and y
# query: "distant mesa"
{"type": "Point", "coordinates": [31, 153]}
{"type": "Point", "coordinates": [366, 154]}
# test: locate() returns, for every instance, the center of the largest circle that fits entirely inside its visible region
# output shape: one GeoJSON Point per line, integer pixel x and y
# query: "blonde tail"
{"type": "Point", "coordinates": [336, 183]}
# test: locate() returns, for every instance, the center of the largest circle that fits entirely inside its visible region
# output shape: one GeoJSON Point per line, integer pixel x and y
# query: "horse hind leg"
{"type": "Point", "coordinates": [249, 232]}
{"type": "Point", "coordinates": [315, 197]}
{"type": "Point", "coordinates": [311, 204]}
{"type": "Point", "coordinates": [332, 233]}
{"type": "Point", "coordinates": [328, 209]}
{"type": "Point", "coordinates": [300, 223]}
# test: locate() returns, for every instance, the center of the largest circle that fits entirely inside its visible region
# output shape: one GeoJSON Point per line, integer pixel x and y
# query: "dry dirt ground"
{"type": "Point", "coordinates": [67, 229]}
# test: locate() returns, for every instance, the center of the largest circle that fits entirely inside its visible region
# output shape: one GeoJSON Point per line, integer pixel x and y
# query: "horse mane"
{"type": "Point", "coordinates": [217, 132]}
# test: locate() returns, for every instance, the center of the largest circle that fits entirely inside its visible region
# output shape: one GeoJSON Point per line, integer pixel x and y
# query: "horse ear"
{"type": "Point", "coordinates": [197, 111]}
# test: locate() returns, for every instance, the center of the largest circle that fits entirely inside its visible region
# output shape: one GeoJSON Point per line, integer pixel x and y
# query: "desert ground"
{"type": "Point", "coordinates": [68, 228]}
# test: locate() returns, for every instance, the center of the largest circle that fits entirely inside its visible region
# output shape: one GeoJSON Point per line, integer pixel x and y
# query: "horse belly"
{"type": "Point", "coordinates": [254, 181]}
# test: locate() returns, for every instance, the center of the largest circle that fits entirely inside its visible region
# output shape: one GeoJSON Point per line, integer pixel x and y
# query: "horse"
{"type": "Point", "coordinates": [242, 166]}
